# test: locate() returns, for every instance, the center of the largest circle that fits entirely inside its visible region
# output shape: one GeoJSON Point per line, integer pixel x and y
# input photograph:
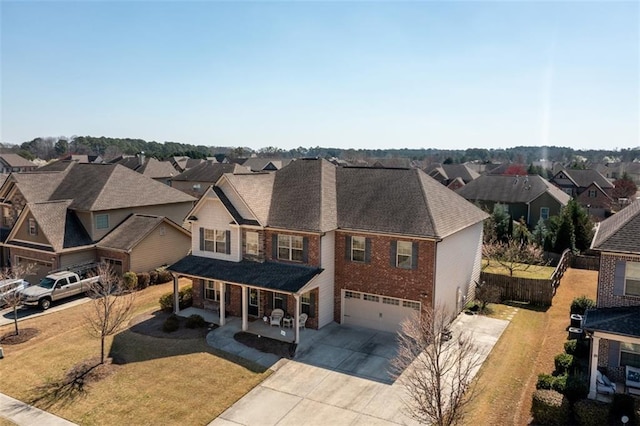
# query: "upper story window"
{"type": "Point", "coordinates": [632, 279]}
{"type": "Point", "coordinates": [252, 243]}
{"type": "Point", "coordinates": [102, 221]}
{"type": "Point", "coordinates": [544, 213]}
{"type": "Point", "coordinates": [215, 241]}
{"type": "Point", "coordinates": [33, 227]}
{"type": "Point", "coordinates": [358, 246]}
{"type": "Point", "coordinates": [592, 193]}
{"type": "Point", "coordinates": [404, 254]}
{"type": "Point", "coordinates": [290, 247]}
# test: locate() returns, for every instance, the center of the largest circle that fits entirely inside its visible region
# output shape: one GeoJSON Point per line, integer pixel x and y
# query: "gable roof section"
{"type": "Point", "coordinates": [209, 171]}
{"type": "Point", "coordinates": [304, 196]}
{"type": "Point", "coordinates": [400, 201]}
{"type": "Point", "coordinates": [232, 210]}
{"type": "Point", "coordinates": [256, 190]}
{"type": "Point", "coordinates": [620, 232]}
{"type": "Point", "coordinates": [14, 160]}
{"type": "Point", "coordinates": [95, 187]}
{"type": "Point", "coordinates": [510, 189]}
{"type": "Point", "coordinates": [35, 187]}
{"type": "Point", "coordinates": [583, 178]}
{"type": "Point", "coordinates": [156, 169]}
{"type": "Point", "coordinates": [133, 230]}
{"type": "Point", "coordinates": [50, 215]}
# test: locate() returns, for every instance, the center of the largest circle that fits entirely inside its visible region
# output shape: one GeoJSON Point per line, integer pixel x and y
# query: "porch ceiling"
{"type": "Point", "coordinates": [267, 275]}
{"type": "Point", "coordinates": [621, 320]}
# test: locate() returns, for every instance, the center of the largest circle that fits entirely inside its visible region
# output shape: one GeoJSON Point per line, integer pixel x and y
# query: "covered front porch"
{"type": "Point", "coordinates": [252, 292]}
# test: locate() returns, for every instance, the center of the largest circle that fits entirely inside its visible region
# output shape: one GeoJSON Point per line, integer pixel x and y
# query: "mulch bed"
{"type": "Point", "coordinates": [24, 335]}
{"type": "Point", "coordinates": [150, 324]}
{"type": "Point", "coordinates": [267, 344]}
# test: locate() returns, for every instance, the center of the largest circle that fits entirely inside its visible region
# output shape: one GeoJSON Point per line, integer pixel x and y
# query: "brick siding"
{"type": "Point", "coordinates": [606, 277]}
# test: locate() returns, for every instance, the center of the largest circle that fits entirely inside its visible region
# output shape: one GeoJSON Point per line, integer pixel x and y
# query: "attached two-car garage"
{"type": "Point", "coordinates": [376, 311]}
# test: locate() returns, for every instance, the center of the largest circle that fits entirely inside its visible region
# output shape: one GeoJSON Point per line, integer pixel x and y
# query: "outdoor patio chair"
{"type": "Point", "coordinates": [604, 385]}
{"type": "Point", "coordinates": [302, 320]}
{"type": "Point", "coordinates": [276, 317]}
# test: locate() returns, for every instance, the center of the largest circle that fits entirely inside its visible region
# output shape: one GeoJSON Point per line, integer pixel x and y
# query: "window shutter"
{"type": "Point", "coordinates": [305, 249]}
{"type": "Point", "coordinates": [274, 247]}
{"type": "Point", "coordinates": [367, 250]}
{"type": "Point", "coordinates": [269, 297]}
{"type": "Point", "coordinates": [312, 304]}
{"type": "Point", "coordinates": [347, 248]}
{"type": "Point", "coordinates": [202, 239]}
{"type": "Point", "coordinates": [227, 237]}
{"type": "Point", "coordinates": [227, 294]}
{"type": "Point", "coordinates": [392, 254]}
{"type": "Point", "coordinates": [414, 255]}
{"type": "Point", "coordinates": [203, 284]}
{"type": "Point", "coordinates": [614, 353]}
{"type": "Point", "coordinates": [618, 278]}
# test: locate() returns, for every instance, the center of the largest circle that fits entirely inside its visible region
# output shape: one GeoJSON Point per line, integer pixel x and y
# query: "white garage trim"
{"type": "Point", "coordinates": [376, 311]}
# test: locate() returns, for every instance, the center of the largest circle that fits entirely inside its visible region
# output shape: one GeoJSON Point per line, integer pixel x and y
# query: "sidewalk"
{"type": "Point", "coordinates": [25, 415]}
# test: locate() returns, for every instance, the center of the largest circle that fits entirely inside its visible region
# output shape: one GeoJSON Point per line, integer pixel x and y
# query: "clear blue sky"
{"type": "Point", "coordinates": [336, 74]}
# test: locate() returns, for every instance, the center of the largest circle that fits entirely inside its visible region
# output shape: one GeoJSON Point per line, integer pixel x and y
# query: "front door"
{"type": "Point", "coordinates": [254, 296]}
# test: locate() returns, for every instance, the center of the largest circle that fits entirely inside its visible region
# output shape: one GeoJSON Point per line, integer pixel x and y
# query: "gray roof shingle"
{"type": "Point", "coordinates": [14, 160]}
{"type": "Point", "coordinates": [510, 189]}
{"type": "Point", "coordinates": [583, 178]}
{"type": "Point", "coordinates": [50, 216]}
{"type": "Point", "coordinates": [130, 232]}
{"type": "Point", "coordinates": [623, 321]}
{"type": "Point", "coordinates": [620, 232]}
{"type": "Point", "coordinates": [209, 171]}
{"type": "Point", "coordinates": [269, 275]}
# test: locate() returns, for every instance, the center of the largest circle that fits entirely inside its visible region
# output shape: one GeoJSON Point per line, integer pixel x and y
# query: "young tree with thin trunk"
{"type": "Point", "coordinates": [111, 308]}
{"type": "Point", "coordinates": [513, 255]}
{"type": "Point", "coordinates": [13, 299]}
{"type": "Point", "coordinates": [436, 367]}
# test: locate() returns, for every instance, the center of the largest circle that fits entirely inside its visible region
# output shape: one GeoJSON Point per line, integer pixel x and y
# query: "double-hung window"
{"type": "Point", "coordinates": [305, 303]}
{"type": "Point", "coordinates": [102, 221]}
{"type": "Point", "coordinates": [290, 247]}
{"type": "Point", "coordinates": [358, 247]}
{"type": "Point", "coordinates": [592, 193]}
{"type": "Point", "coordinates": [630, 354]}
{"type": "Point", "coordinates": [544, 213]}
{"type": "Point", "coordinates": [632, 279]}
{"type": "Point", "coordinates": [33, 226]}
{"type": "Point", "coordinates": [215, 240]}
{"type": "Point", "coordinates": [252, 243]}
{"type": "Point", "coordinates": [212, 291]}
{"type": "Point", "coordinates": [403, 254]}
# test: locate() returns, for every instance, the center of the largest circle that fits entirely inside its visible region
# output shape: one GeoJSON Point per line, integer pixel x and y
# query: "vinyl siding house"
{"type": "Point", "coordinates": [590, 188]}
{"type": "Point", "coordinates": [91, 212]}
{"type": "Point", "coordinates": [528, 197]}
{"type": "Point", "coordinates": [615, 322]}
{"type": "Point", "coordinates": [361, 246]}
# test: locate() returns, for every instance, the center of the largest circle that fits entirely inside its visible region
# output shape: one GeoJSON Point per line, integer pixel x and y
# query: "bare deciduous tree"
{"type": "Point", "coordinates": [487, 293]}
{"type": "Point", "coordinates": [436, 367]}
{"type": "Point", "coordinates": [514, 255]}
{"type": "Point", "coordinates": [13, 299]}
{"type": "Point", "coordinates": [110, 309]}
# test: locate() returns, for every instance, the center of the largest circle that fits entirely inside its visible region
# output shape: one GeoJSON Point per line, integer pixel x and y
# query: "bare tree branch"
{"type": "Point", "coordinates": [110, 308]}
{"type": "Point", "coordinates": [435, 367]}
{"type": "Point", "coordinates": [13, 299]}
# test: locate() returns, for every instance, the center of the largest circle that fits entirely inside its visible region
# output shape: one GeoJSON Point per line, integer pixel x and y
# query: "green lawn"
{"type": "Point", "coordinates": [521, 270]}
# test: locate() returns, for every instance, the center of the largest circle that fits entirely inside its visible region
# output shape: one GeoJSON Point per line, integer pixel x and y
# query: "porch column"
{"type": "Point", "coordinates": [296, 316]}
{"type": "Point", "coordinates": [222, 303]}
{"type": "Point", "coordinates": [245, 318]}
{"type": "Point", "coordinates": [593, 361]}
{"type": "Point", "coordinates": [176, 298]}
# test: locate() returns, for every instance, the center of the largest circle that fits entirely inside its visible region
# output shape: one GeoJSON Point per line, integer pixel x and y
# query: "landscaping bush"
{"type": "Point", "coordinates": [143, 280]}
{"type": "Point", "coordinates": [164, 276]}
{"type": "Point", "coordinates": [560, 383]}
{"type": "Point", "coordinates": [550, 408]}
{"type": "Point", "coordinates": [195, 321]}
{"type": "Point", "coordinates": [570, 346]}
{"type": "Point", "coordinates": [622, 405]}
{"type": "Point", "coordinates": [171, 324]}
{"type": "Point", "coordinates": [588, 412]}
{"type": "Point", "coordinates": [185, 300]}
{"type": "Point", "coordinates": [577, 387]}
{"type": "Point", "coordinates": [580, 304]}
{"type": "Point", "coordinates": [545, 381]}
{"type": "Point", "coordinates": [153, 277]}
{"type": "Point", "coordinates": [129, 280]}
{"type": "Point", "coordinates": [563, 363]}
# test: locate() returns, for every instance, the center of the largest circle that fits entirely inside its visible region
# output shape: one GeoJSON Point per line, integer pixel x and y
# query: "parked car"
{"type": "Point", "coordinates": [56, 286]}
{"type": "Point", "coordinates": [11, 286]}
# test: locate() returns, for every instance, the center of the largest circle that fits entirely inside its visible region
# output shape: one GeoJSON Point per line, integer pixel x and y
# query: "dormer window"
{"type": "Point", "coordinates": [33, 227]}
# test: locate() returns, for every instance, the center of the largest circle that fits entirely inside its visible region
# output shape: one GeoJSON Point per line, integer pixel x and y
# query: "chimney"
{"type": "Point", "coordinates": [141, 158]}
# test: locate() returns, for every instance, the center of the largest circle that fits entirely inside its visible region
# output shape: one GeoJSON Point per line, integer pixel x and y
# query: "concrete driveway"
{"type": "Point", "coordinates": [26, 312]}
{"type": "Point", "coordinates": [340, 377]}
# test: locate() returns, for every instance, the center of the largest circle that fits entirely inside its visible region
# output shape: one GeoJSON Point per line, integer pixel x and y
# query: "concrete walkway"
{"type": "Point", "coordinates": [25, 415]}
{"type": "Point", "coordinates": [299, 392]}
{"type": "Point", "coordinates": [28, 312]}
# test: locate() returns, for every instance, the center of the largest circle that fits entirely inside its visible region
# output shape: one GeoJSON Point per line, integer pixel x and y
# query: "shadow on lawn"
{"type": "Point", "coordinates": [526, 305]}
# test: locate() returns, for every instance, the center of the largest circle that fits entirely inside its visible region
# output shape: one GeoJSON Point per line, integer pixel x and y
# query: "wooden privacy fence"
{"type": "Point", "coordinates": [534, 291]}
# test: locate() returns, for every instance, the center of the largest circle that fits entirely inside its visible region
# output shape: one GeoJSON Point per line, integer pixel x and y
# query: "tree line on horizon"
{"type": "Point", "coordinates": [48, 148]}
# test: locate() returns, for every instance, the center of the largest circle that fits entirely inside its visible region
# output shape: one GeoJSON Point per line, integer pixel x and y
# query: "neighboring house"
{"type": "Point", "coordinates": [590, 188]}
{"type": "Point", "coordinates": [446, 174]}
{"type": "Point", "coordinates": [265, 164]}
{"type": "Point", "coordinates": [198, 179]}
{"type": "Point", "coordinates": [615, 171]}
{"type": "Point", "coordinates": [162, 171]}
{"type": "Point", "coordinates": [90, 212]}
{"type": "Point", "coordinates": [10, 163]}
{"type": "Point", "coordinates": [615, 323]}
{"type": "Point", "coordinates": [185, 163]}
{"type": "Point", "coordinates": [364, 246]}
{"type": "Point", "coordinates": [82, 158]}
{"type": "Point", "coordinates": [528, 197]}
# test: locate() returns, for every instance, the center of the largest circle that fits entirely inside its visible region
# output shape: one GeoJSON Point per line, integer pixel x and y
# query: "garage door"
{"type": "Point", "coordinates": [39, 271]}
{"type": "Point", "coordinates": [375, 311]}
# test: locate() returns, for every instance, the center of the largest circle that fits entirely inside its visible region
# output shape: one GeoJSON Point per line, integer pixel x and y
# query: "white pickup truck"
{"type": "Point", "coordinates": [56, 286]}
